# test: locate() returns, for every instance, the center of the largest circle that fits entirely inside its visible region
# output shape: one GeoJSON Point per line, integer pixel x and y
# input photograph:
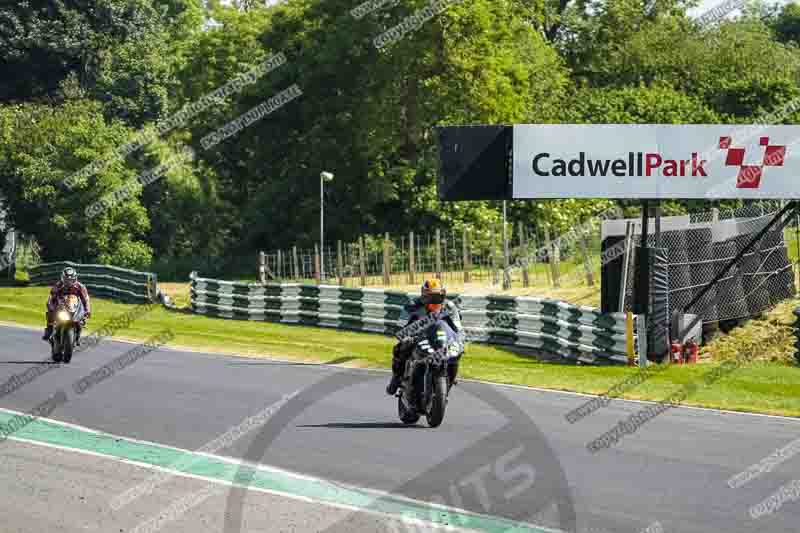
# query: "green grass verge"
{"type": "Point", "coordinates": [762, 386]}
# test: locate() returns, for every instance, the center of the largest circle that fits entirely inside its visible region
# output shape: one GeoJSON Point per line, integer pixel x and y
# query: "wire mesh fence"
{"type": "Point", "coordinates": [472, 255]}
{"type": "Point", "coordinates": [700, 246]}
{"type": "Point", "coordinates": [543, 261]}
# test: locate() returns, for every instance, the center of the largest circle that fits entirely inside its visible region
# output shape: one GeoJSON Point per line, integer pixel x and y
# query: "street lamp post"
{"type": "Point", "coordinates": [323, 177]}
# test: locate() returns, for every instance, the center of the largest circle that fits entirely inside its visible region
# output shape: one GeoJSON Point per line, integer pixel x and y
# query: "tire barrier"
{"type": "Point", "coordinates": [574, 332]}
{"type": "Point", "coordinates": [101, 280]}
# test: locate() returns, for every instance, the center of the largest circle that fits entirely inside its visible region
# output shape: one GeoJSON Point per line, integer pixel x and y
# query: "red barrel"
{"type": "Point", "coordinates": [676, 352]}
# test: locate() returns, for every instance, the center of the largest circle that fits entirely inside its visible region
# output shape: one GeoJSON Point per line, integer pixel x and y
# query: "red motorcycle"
{"type": "Point", "coordinates": [69, 316]}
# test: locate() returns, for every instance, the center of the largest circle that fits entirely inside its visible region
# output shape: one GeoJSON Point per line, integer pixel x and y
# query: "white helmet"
{"type": "Point", "coordinates": [69, 277]}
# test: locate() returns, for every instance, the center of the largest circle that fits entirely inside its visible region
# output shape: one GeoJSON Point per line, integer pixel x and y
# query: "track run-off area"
{"type": "Point", "coordinates": [169, 442]}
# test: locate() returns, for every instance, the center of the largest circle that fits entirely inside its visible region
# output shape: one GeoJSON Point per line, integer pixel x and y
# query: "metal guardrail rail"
{"type": "Point", "coordinates": [102, 280]}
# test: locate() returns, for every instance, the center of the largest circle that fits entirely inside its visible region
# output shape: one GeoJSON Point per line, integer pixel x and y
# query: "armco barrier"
{"type": "Point", "coordinates": [574, 332]}
{"type": "Point", "coordinates": [101, 280]}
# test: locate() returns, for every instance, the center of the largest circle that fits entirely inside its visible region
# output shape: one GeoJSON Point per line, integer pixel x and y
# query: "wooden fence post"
{"type": "Point", "coordinates": [361, 268]}
{"type": "Point", "coordinates": [262, 268]}
{"type": "Point", "coordinates": [339, 263]}
{"type": "Point", "coordinates": [411, 259]}
{"type": "Point", "coordinates": [551, 259]}
{"type": "Point", "coordinates": [587, 262]}
{"type": "Point", "coordinates": [506, 266]}
{"type": "Point", "coordinates": [469, 254]}
{"type": "Point", "coordinates": [316, 264]}
{"type": "Point", "coordinates": [295, 266]}
{"type": "Point", "coordinates": [402, 251]}
{"type": "Point", "coordinates": [495, 278]}
{"type": "Point", "coordinates": [387, 274]}
{"type": "Point", "coordinates": [524, 256]}
{"type": "Point", "coordinates": [438, 254]}
{"type": "Point", "coordinates": [445, 258]}
{"type": "Point", "coordinates": [465, 254]}
{"type": "Point", "coordinates": [556, 265]}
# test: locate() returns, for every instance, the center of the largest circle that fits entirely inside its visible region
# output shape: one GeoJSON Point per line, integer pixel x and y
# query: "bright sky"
{"type": "Point", "coordinates": [711, 4]}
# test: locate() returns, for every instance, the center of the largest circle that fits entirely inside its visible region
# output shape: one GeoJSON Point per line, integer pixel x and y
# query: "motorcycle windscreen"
{"type": "Point", "coordinates": [75, 307]}
{"type": "Point", "coordinates": [452, 336]}
{"type": "Point", "coordinates": [72, 303]}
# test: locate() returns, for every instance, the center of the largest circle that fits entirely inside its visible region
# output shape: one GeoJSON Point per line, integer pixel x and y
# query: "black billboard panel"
{"type": "Point", "coordinates": [474, 162]}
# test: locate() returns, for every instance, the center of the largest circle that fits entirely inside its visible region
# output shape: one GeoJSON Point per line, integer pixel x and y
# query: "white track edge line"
{"type": "Point", "coordinates": [287, 495]}
{"type": "Point", "coordinates": [257, 466]}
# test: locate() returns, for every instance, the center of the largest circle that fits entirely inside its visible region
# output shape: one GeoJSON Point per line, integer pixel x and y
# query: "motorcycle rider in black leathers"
{"type": "Point", "coordinates": [431, 304]}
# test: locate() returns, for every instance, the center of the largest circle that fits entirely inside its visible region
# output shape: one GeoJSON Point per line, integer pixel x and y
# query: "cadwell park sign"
{"type": "Point", "coordinates": [633, 161]}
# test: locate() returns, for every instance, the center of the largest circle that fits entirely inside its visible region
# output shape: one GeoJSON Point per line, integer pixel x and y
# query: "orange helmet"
{"type": "Point", "coordinates": [433, 295]}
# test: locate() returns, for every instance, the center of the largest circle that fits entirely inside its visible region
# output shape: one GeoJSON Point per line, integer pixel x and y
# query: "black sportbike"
{"type": "Point", "coordinates": [69, 316]}
{"type": "Point", "coordinates": [426, 381]}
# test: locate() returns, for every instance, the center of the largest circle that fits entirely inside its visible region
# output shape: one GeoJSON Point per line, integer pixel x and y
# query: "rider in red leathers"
{"type": "Point", "coordinates": [69, 284]}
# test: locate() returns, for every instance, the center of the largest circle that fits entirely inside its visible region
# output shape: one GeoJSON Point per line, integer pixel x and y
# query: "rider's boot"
{"type": "Point", "coordinates": [398, 364]}
{"type": "Point", "coordinates": [452, 373]}
{"type": "Point", "coordinates": [393, 385]}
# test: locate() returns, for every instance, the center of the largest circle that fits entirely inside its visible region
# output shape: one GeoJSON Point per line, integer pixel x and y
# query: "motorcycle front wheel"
{"type": "Point", "coordinates": [55, 347]}
{"type": "Point", "coordinates": [69, 343]}
{"type": "Point", "coordinates": [436, 414]}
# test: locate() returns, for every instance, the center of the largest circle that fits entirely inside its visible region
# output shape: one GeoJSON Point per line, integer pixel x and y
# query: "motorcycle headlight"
{"type": "Point", "coordinates": [62, 316]}
{"type": "Point", "coordinates": [424, 348]}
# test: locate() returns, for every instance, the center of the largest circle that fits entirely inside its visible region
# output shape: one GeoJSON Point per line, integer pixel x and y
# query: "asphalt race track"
{"type": "Point", "coordinates": [673, 471]}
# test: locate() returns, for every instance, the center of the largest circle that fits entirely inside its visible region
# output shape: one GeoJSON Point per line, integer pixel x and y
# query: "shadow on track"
{"type": "Point", "coordinates": [338, 361]}
{"type": "Point", "coordinates": [48, 362]}
{"type": "Point", "coordinates": [362, 425]}
{"type": "Point", "coordinates": [272, 363]}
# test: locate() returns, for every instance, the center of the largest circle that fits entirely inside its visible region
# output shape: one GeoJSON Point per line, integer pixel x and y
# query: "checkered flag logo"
{"type": "Point", "coordinates": [749, 176]}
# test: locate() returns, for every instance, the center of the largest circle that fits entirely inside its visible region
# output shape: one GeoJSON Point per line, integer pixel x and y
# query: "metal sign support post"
{"type": "Point", "coordinates": [625, 262]}
{"type": "Point", "coordinates": [506, 273]}
{"type": "Point", "coordinates": [658, 223]}
{"type": "Point", "coordinates": [797, 242]}
{"type": "Point", "coordinates": [642, 287]}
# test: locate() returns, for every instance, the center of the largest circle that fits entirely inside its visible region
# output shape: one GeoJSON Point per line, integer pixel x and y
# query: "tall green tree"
{"type": "Point", "coordinates": [367, 114]}
{"type": "Point", "coordinates": [40, 147]}
{"type": "Point", "coordinates": [786, 24]}
{"type": "Point", "coordinates": [736, 67]}
{"type": "Point", "coordinates": [119, 52]}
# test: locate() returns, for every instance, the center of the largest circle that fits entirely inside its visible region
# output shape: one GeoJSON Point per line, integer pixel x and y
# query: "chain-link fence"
{"type": "Point", "coordinates": [699, 246]}
{"type": "Point", "coordinates": [569, 265]}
